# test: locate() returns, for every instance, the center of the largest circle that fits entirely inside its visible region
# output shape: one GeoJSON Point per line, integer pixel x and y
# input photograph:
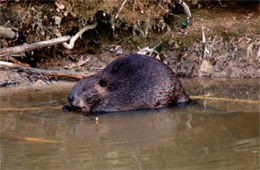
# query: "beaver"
{"type": "Point", "coordinates": [128, 83]}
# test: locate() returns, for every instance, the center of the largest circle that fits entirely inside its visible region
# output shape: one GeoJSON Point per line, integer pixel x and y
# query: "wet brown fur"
{"type": "Point", "coordinates": [127, 83]}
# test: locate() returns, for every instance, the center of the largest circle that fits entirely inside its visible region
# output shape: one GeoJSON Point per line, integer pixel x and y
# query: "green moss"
{"type": "Point", "coordinates": [184, 41]}
{"type": "Point", "coordinates": [235, 31]}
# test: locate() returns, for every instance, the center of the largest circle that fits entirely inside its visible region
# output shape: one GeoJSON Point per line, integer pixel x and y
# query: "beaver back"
{"type": "Point", "coordinates": [131, 82]}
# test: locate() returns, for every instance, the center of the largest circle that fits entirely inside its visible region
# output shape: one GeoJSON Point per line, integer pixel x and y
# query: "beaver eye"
{"type": "Point", "coordinates": [102, 83]}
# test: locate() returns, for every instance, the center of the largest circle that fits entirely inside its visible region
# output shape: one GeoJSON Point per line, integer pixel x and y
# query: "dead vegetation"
{"type": "Point", "coordinates": [227, 46]}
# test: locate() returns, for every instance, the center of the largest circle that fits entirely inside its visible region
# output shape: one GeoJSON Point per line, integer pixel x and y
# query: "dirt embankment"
{"type": "Point", "coordinates": [228, 45]}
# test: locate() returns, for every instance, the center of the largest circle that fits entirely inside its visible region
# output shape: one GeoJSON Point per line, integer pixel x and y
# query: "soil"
{"type": "Point", "coordinates": [231, 47]}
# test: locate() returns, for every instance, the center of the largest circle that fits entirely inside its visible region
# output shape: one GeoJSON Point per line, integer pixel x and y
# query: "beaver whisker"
{"type": "Point", "coordinates": [70, 108]}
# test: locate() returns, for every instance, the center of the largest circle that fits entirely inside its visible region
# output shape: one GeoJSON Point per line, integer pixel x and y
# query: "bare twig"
{"type": "Point", "coordinates": [249, 50]}
{"type": "Point", "coordinates": [220, 3]}
{"type": "Point", "coordinates": [120, 9]}
{"type": "Point", "coordinates": [18, 62]}
{"type": "Point", "coordinates": [153, 49]}
{"type": "Point", "coordinates": [80, 63]}
{"type": "Point", "coordinates": [76, 36]}
{"type": "Point", "coordinates": [203, 35]}
{"type": "Point", "coordinates": [29, 47]}
{"type": "Point", "coordinates": [29, 139]}
{"type": "Point", "coordinates": [21, 109]}
{"type": "Point", "coordinates": [186, 10]}
{"type": "Point", "coordinates": [226, 99]}
{"type": "Point", "coordinates": [43, 72]}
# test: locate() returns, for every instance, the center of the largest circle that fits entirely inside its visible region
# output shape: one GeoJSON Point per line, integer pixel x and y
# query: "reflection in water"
{"type": "Point", "coordinates": [203, 135]}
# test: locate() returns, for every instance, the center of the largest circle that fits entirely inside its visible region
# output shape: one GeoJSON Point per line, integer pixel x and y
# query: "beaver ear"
{"type": "Point", "coordinates": [102, 83]}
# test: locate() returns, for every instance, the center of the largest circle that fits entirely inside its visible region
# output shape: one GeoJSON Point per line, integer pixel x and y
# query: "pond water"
{"type": "Point", "coordinates": [207, 134]}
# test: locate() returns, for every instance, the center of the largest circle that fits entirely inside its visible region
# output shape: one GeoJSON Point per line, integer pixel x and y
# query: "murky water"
{"type": "Point", "coordinates": [207, 134]}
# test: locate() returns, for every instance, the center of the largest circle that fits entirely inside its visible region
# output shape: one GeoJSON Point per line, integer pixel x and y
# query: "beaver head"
{"type": "Point", "coordinates": [127, 83]}
{"type": "Point", "coordinates": [87, 93]}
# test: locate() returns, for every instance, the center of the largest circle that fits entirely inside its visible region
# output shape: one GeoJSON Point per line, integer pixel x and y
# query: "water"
{"type": "Point", "coordinates": [207, 134]}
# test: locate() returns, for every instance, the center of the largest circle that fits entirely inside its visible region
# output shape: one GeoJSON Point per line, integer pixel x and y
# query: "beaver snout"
{"type": "Point", "coordinates": [72, 104]}
{"type": "Point", "coordinates": [71, 98]}
{"type": "Point", "coordinates": [77, 103]}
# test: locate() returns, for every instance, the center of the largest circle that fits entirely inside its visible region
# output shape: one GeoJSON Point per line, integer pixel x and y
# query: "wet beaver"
{"type": "Point", "coordinates": [128, 83]}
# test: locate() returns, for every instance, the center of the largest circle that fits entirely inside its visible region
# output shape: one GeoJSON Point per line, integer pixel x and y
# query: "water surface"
{"type": "Point", "coordinates": [207, 134]}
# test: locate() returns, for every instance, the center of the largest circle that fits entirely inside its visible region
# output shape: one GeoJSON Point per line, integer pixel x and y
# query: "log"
{"type": "Point", "coordinates": [44, 72]}
{"type": "Point", "coordinates": [29, 47]}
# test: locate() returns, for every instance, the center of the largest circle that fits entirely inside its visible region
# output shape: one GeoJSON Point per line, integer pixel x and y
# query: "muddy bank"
{"type": "Point", "coordinates": [238, 57]}
{"type": "Point", "coordinates": [228, 45]}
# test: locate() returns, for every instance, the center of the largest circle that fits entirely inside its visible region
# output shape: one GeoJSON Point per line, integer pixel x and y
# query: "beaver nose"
{"type": "Point", "coordinates": [71, 98]}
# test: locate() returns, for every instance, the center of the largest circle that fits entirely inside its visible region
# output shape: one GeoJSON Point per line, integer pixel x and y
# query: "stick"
{"type": "Point", "coordinates": [186, 10]}
{"type": "Point", "coordinates": [120, 9]}
{"type": "Point", "coordinates": [76, 36]}
{"type": "Point", "coordinates": [29, 47]}
{"type": "Point", "coordinates": [49, 73]}
{"type": "Point", "coordinates": [37, 140]}
{"type": "Point", "coordinates": [153, 49]}
{"type": "Point", "coordinates": [226, 99]}
{"type": "Point", "coordinates": [18, 62]}
{"type": "Point", "coordinates": [13, 109]}
{"type": "Point", "coordinates": [203, 35]}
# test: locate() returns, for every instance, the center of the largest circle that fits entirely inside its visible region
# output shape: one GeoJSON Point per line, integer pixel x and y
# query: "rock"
{"type": "Point", "coordinates": [205, 68]}
{"type": "Point", "coordinates": [57, 20]}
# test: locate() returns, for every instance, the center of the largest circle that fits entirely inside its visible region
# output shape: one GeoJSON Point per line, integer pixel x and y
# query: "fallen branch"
{"type": "Point", "coordinates": [18, 62]}
{"type": "Point", "coordinates": [226, 99]}
{"type": "Point", "coordinates": [186, 10]}
{"type": "Point", "coordinates": [21, 109]}
{"type": "Point", "coordinates": [120, 9]}
{"type": "Point", "coordinates": [29, 47]}
{"type": "Point", "coordinates": [43, 72]}
{"type": "Point", "coordinates": [76, 36]}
